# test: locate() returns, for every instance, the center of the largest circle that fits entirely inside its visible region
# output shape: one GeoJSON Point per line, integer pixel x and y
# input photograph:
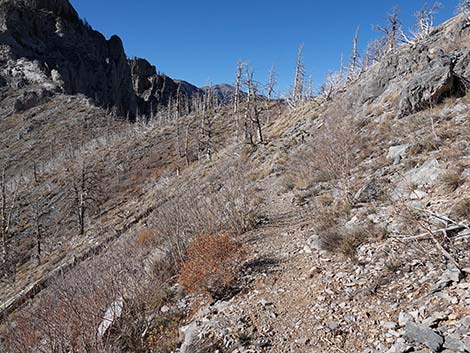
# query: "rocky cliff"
{"type": "Point", "coordinates": [154, 89]}
{"type": "Point", "coordinates": [46, 48]}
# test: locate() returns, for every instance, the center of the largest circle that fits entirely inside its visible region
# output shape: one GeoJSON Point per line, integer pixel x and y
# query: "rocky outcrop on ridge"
{"type": "Point", "coordinates": [419, 75]}
{"type": "Point", "coordinates": [46, 48]}
{"type": "Point", "coordinates": [154, 89]}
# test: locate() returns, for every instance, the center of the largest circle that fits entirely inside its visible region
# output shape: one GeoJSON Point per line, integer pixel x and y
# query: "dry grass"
{"type": "Point", "coordinates": [345, 241]}
{"type": "Point", "coordinates": [451, 180]}
{"type": "Point", "coordinates": [461, 210]}
{"type": "Point", "coordinates": [211, 265]}
{"type": "Point", "coordinates": [68, 314]}
{"type": "Point", "coordinates": [329, 156]}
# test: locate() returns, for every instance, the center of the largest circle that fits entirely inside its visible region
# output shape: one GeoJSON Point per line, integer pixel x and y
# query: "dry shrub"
{"type": "Point", "coordinates": [211, 265]}
{"type": "Point", "coordinates": [461, 209]}
{"type": "Point", "coordinates": [330, 212]}
{"type": "Point", "coordinates": [425, 144]}
{"type": "Point", "coordinates": [210, 208]}
{"type": "Point", "coordinates": [65, 317]}
{"type": "Point", "coordinates": [330, 155]}
{"type": "Point", "coordinates": [145, 237]}
{"type": "Point", "coordinates": [345, 241]}
{"type": "Point", "coordinates": [451, 180]}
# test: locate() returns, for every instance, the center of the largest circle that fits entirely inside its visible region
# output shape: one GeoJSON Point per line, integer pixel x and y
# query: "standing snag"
{"type": "Point", "coordinates": [393, 31]}
{"type": "Point", "coordinates": [298, 94]}
{"type": "Point", "coordinates": [236, 98]}
{"type": "Point", "coordinates": [8, 206]}
{"type": "Point", "coordinates": [272, 82]}
{"type": "Point", "coordinates": [464, 7]}
{"type": "Point", "coordinates": [424, 22]}
{"type": "Point", "coordinates": [85, 192]}
{"type": "Point", "coordinates": [353, 72]}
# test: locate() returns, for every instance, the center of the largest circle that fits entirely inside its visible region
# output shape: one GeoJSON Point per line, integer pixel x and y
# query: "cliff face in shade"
{"type": "Point", "coordinates": [154, 89]}
{"type": "Point", "coordinates": [45, 48]}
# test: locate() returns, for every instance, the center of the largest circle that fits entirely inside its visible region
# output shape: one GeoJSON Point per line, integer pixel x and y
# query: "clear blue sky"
{"type": "Point", "coordinates": [201, 41]}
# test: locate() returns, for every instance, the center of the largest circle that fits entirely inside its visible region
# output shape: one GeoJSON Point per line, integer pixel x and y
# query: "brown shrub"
{"type": "Point", "coordinates": [211, 265]}
{"type": "Point", "coordinates": [146, 236]}
{"type": "Point", "coordinates": [330, 212]}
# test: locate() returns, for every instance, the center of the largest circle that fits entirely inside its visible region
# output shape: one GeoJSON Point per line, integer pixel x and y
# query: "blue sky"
{"type": "Point", "coordinates": [201, 41]}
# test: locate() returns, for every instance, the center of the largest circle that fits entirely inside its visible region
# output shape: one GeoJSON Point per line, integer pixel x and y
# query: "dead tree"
{"type": "Point", "coordinates": [177, 116]}
{"type": "Point", "coordinates": [206, 125]}
{"type": "Point", "coordinates": [236, 98]}
{"type": "Point", "coordinates": [252, 123]}
{"type": "Point", "coordinates": [272, 82]}
{"type": "Point", "coordinates": [186, 143]}
{"type": "Point", "coordinates": [85, 191]}
{"type": "Point", "coordinates": [309, 93]}
{"type": "Point", "coordinates": [39, 211]}
{"type": "Point", "coordinates": [424, 22]}
{"type": "Point", "coordinates": [297, 95]}
{"type": "Point", "coordinates": [392, 31]}
{"type": "Point", "coordinates": [8, 204]}
{"type": "Point", "coordinates": [256, 118]}
{"type": "Point", "coordinates": [464, 7]}
{"type": "Point", "coordinates": [333, 84]}
{"type": "Point", "coordinates": [352, 74]}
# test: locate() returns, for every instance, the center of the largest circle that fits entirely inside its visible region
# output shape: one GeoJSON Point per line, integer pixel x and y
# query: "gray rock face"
{"type": "Point", "coordinates": [429, 87]}
{"type": "Point", "coordinates": [423, 335]}
{"type": "Point", "coordinates": [415, 76]}
{"type": "Point", "coordinates": [44, 43]}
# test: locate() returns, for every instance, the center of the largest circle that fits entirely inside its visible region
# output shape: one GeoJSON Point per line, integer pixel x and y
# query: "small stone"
{"type": "Point", "coordinates": [403, 318]}
{"type": "Point", "coordinates": [164, 309]}
{"type": "Point", "coordinates": [333, 326]}
{"type": "Point", "coordinates": [400, 348]}
{"type": "Point", "coordinates": [465, 322]}
{"type": "Point", "coordinates": [435, 319]}
{"type": "Point", "coordinates": [264, 302]}
{"type": "Point", "coordinates": [423, 335]}
{"type": "Point", "coordinates": [448, 298]}
{"type": "Point", "coordinates": [388, 325]}
{"type": "Point", "coordinates": [453, 342]}
{"type": "Point", "coordinates": [452, 275]}
{"type": "Point", "coordinates": [396, 153]}
{"type": "Point", "coordinates": [302, 341]}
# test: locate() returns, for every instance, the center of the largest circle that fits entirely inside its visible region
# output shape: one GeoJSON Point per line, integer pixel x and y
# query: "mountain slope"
{"type": "Point", "coordinates": [348, 224]}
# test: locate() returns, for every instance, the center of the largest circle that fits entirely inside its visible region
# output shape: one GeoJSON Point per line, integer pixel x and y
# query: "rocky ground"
{"type": "Point", "coordinates": [300, 298]}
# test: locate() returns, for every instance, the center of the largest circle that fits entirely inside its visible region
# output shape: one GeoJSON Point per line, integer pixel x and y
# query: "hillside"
{"type": "Point", "coordinates": [200, 225]}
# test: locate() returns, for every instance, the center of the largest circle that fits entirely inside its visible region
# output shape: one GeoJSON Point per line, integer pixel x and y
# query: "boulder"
{"type": "Point", "coordinates": [455, 343]}
{"type": "Point", "coordinates": [30, 99]}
